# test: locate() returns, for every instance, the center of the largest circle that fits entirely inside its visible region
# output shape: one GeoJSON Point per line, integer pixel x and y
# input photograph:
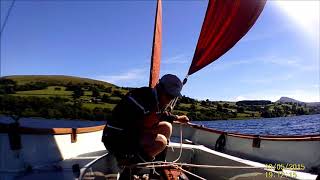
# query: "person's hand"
{"type": "Point", "coordinates": [182, 119]}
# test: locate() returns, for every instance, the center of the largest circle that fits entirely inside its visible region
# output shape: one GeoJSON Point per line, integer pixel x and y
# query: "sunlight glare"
{"type": "Point", "coordinates": [304, 13]}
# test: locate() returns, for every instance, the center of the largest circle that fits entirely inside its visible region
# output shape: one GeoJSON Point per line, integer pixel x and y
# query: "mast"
{"type": "Point", "coordinates": [156, 47]}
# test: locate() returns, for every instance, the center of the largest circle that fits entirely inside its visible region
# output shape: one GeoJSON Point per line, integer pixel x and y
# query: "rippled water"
{"type": "Point", "coordinates": [298, 125]}
{"type": "Point", "coordinates": [51, 123]}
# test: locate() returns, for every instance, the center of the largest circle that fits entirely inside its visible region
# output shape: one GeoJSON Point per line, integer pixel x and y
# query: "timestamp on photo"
{"type": "Point", "coordinates": [281, 174]}
{"type": "Point", "coordinates": [288, 166]}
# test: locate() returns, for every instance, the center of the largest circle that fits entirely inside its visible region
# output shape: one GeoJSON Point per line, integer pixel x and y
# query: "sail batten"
{"type": "Point", "coordinates": [225, 23]}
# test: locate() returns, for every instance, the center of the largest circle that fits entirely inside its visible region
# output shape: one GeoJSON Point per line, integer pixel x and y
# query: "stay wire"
{"type": "Point", "coordinates": [6, 18]}
{"type": "Point", "coordinates": [173, 103]}
{"type": "Point", "coordinates": [2, 29]}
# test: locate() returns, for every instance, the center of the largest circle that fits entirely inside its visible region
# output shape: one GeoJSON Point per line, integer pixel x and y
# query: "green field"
{"type": "Point", "coordinates": [49, 91]}
{"type": "Point", "coordinates": [103, 105]}
{"type": "Point", "coordinates": [53, 91]}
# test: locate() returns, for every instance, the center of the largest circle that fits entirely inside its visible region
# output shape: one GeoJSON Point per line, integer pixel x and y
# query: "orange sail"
{"type": "Point", "coordinates": [156, 48]}
{"type": "Point", "coordinates": [225, 23]}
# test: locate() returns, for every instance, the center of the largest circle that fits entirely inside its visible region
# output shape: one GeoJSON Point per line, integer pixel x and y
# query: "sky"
{"type": "Point", "coordinates": [112, 41]}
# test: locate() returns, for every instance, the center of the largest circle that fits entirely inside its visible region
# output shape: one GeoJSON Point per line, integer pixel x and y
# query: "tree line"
{"type": "Point", "coordinates": [52, 107]}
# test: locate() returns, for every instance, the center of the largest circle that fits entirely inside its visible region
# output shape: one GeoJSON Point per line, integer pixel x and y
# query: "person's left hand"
{"type": "Point", "coordinates": [182, 119]}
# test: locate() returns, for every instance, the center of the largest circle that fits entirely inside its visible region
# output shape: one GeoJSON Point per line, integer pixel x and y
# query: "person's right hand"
{"type": "Point", "coordinates": [183, 119]}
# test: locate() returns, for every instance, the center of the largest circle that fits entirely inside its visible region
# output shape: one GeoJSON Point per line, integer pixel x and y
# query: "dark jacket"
{"type": "Point", "coordinates": [128, 116]}
{"type": "Point", "coordinates": [126, 125]}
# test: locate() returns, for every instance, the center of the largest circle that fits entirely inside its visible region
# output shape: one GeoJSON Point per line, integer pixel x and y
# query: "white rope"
{"type": "Point", "coordinates": [205, 166]}
{"type": "Point", "coordinates": [180, 145]}
{"type": "Point", "coordinates": [173, 103]}
{"type": "Point", "coordinates": [154, 170]}
{"type": "Point", "coordinates": [153, 165]}
{"type": "Point", "coordinates": [148, 163]}
{"type": "Point", "coordinates": [177, 167]}
{"type": "Point", "coordinates": [188, 172]}
{"type": "Point", "coordinates": [168, 164]}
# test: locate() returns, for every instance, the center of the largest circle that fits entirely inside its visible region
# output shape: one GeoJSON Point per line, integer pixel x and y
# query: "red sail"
{"type": "Point", "coordinates": [225, 23]}
{"type": "Point", "coordinates": [156, 49]}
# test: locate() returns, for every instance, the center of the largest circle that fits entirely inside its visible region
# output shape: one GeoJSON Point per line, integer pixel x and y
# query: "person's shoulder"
{"type": "Point", "coordinates": [144, 95]}
{"type": "Point", "coordinates": [142, 90]}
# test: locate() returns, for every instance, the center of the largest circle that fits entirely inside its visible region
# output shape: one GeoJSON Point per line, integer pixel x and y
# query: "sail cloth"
{"type": "Point", "coordinates": [156, 47]}
{"type": "Point", "coordinates": [225, 23]}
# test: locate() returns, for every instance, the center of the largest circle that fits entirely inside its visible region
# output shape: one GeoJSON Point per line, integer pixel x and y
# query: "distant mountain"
{"type": "Point", "coordinates": [313, 104]}
{"type": "Point", "coordinates": [289, 100]}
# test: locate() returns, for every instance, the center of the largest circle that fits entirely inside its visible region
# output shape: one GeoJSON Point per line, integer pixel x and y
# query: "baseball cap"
{"type": "Point", "coordinates": [171, 84]}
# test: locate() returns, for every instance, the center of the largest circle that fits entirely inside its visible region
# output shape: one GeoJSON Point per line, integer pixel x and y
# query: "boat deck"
{"type": "Point", "coordinates": [61, 170]}
{"type": "Point", "coordinates": [64, 169]}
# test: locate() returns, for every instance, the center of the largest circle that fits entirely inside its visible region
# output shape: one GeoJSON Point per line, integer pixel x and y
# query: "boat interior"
{"type": "Point", "coordinates": [186, 161]}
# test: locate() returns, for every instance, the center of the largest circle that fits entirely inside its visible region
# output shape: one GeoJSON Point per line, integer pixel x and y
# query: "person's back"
{"type": "Point", "coordinates": [127, 120]}
{"type": "Point", "coordinates": [140, 124]}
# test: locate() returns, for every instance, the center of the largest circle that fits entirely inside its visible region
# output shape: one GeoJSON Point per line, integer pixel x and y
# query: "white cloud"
{"type": "Point", "coordinates": [266, 60]}
{"type": "Point", "coordinates": [228, 64]}
{"type": "Point", "coordinates": [178, 59]}
{"type": "Point", "coordinates": [258, 36]}
{"type": "Point", "coordinates": [294, 62]}
{"type": "Point", "coordinates": [266, 80]}
{"type": "Point", "coordinates": [125, 77]}
{"type": "Point", "coordinates": [240, 98]}
{"type": "Point", "coordinates": [305, 95]}
{"type": "Point", "coordinates": [315, 86]}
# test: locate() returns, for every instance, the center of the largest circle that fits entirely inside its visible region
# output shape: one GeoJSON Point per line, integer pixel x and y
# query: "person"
{"type": "Point", "coordinates": [140, 124]}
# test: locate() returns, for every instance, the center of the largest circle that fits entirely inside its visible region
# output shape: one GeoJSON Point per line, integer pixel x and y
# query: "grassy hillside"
{"type": "Point", "coordinates": [82, 98]}
{"type": "Point", "coordinates": [55, 79]}
{"type": "Point", "coordinates": [54, 96]}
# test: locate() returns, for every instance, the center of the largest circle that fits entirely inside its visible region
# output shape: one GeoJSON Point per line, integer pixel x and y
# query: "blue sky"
{"type": "Point", "coordinates": [112, 40]}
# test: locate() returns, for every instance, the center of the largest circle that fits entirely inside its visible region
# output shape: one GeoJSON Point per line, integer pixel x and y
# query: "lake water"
{"type": "Point", "coordinates": [51, 123]}
{"type": "Point", "coordinates": [297, 125]}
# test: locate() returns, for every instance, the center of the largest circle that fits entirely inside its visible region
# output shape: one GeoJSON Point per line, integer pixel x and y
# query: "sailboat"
{"type": "Point", "coordinates": [204, 153]}
{"type": "Point", "coordinates": [195, 152]}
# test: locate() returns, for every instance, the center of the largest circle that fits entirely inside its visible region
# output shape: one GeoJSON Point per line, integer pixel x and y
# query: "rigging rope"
{"type": "Point", "coordinates": [180, 165]}
{"type": "Point", "coordinates": [192, 174]}
{"type": "Point", "coordinates": [2, 29]}
{"type": "Point", "coordinates": [173, 103]}
{"type": "Point", "coordinates": [180, 145]}
{"type": "Point", "coordinates": [7, 17]}
{"type": "Point", "coordinates": [157, 164]}
{"type": "Point", "coordinates": [160, 162]}
{"type": "Point", "coordinates": [169, 164]}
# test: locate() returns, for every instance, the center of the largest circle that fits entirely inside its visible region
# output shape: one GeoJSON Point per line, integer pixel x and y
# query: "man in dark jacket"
{"type": "Point", "coordinates": [140, 124]}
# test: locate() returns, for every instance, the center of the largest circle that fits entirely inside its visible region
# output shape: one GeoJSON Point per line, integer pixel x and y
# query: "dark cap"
{"type": "Point", "coordinates": [171, 84]}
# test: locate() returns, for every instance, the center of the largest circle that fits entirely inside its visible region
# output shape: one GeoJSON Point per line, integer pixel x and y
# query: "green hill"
{"type": "Point", "coordinates": [60, 80]}
{"type": "Point", "coordinates": [56, 96]}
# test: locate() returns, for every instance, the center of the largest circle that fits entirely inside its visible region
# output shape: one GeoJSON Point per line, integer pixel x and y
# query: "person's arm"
{"type": "Point", "coordinates": [182, 119]}
{"type": "Point", "coordinates": [169, 117]}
